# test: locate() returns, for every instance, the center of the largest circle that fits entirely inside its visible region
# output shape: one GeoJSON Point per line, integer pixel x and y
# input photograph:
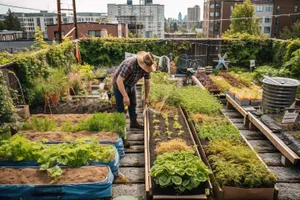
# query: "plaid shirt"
{"type": "Point", "coordinates": [131, 72]}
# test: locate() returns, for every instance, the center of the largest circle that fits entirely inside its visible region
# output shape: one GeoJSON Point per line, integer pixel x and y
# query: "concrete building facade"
{"type": "Point", "coordinates": [193, 17]}
{"type": "Point", "coordinates": [147, 19]}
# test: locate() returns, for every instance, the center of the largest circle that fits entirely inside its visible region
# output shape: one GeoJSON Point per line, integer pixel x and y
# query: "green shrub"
{"type": "Point", "coordinates": [270, 71]}
{"type": "Point", "coordinates": [294, 64]}
{"type": "Point", "coordinates": [6, 103]}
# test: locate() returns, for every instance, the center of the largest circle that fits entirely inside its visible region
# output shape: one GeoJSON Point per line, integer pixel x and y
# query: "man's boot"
{"type": "Point", "coordinates": [134, 124]}
{"type": "Point", "coordinates": [126, 144]}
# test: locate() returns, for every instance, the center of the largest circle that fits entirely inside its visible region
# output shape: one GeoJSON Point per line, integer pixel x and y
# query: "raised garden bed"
{"type": "Point", "coordinates": [208, 83]}
{"type": "Point", "coordinates": [167, 133]}
{"type": "Point", "coordinates": [91, 182]}
{"type": "Point", "coordinates": [18, 151]}
{"type": "Point", "coordinates": [230, 190]}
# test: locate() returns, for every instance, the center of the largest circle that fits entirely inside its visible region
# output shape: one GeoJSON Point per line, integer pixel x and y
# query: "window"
{"type": "Point", "coordinates": [268, 20]}
{"type": "Point", "coordinates": [217, 14]}
{"type": "Point", "coordinates": [259, 8]}
{"type": "Point", "coordinates": [211, 14]}
{"type": "Point", "coordinates": [296, 9]}
{"type": "Point", "coordinates": [269, 8]}
{"type": "Point", "coordinates": [94, 33]}
{"type": "Point", "coordinates": [218, 5]}
{"type": "Point", "coordinates": [267, 29]}
{"type": "Point", "coordinates": [56, 34]}
{"type": "Point", "coordinates": [212, 5]}
{"type": "Point", "coordinates": [260, 20]}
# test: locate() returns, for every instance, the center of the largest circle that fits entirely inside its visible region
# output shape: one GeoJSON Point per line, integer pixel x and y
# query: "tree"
{"type": "Point", "coordinates": [39, 41]}
{"type": "Point", "coordinates": [12, 22]}
{"type": "Point", "coordinates": [175, 27]}
{"type": "Point", "coordinates": [292, 33]}
{"type": "Point", "coordinates": [194, 28]}
{"type": "Point", "coordinates": [250, 25]}
{"type": "Point", "coordinates": [155, 35]}
{"type": "Point", "coordinates": [2, 25]}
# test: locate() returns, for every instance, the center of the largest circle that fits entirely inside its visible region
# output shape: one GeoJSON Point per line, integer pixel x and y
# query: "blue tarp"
{"type": "Point", "coordinates": [76, 191]}
{"type": "Point", "coordinates": [114, 165]}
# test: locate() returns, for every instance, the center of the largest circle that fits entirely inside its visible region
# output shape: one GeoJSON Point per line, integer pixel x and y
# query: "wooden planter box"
{"type": "Point", "coordinates": [255, 102]}
{"type": "Point", "coordinates": [202, 192]}
{"type": "Point", "coordinates": [228, 192]}
{"type": "Point", "coordinates": [242, 102]}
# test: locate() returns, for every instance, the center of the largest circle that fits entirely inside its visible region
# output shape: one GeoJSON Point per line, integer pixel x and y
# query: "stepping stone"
{"type": "Point", "coordinates": [128, 132]}
{"type": "Point", "coordinates": [287, 174]}
{"type": "Point", "coordinates": [135, 137]}
{"type": "Point", "coordinates": [233, 115]}
{"type": "Point", "coordinates": [271, 159]}
{"type": "Point", "coordinates": [237, 120]}
{"type": "Point", "coordinates": [253, 135]}
{"type": "Point", "coordinates": [240, 126]}
{"type": "Point", "coordinates": [288, 191]}
{"type": "Point", "coordinates": [135, 149]}
{"type": "Point", "coordinates": [131, 175]}
{"type": "Point", "coordinates": [132, 143]}
{"type": "Point", "coordinates": [136, 190]}
{"type": "Point", "coordinates": [263, 146]}
{"type": "Point", "coordinates": [133, 160]}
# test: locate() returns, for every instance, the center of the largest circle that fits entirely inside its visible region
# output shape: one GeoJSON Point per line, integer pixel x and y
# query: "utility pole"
{"type": "Point", "coordinates": [59, 21]}
{"type": "Point", "coordinates": [75, 19]}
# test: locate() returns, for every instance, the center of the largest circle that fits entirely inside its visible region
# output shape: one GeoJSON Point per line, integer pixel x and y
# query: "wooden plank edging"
{"type": "Point", "coordinates": [279, 144]}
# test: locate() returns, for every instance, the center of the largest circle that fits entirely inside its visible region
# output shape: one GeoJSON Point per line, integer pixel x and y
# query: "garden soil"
{"type": "Point", "coordinates": [63, 136]}
{"type": "Point", "coordinates": [70, 175]}
{"type": "Point", "coordinates": [154, 141]}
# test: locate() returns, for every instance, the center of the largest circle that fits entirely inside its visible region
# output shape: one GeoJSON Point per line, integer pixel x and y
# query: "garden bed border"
{"type": "Point", "coordinates": [148, 182]}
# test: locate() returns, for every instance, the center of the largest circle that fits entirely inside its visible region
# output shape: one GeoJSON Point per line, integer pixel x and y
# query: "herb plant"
{"type": "Point", "coordinates": [180, 170]}
{"type": "Point", "coordinates": [235, 164]}
{"type": "Point", "coordinates": [175, 145]}
{"type": "Point", "coordinates": [40, 124]}
{"type": "Point", "coordinates": [215, 131]}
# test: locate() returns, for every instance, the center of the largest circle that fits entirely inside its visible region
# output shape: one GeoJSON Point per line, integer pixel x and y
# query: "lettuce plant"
{"type": "Point", "coordinates": [180, 170]}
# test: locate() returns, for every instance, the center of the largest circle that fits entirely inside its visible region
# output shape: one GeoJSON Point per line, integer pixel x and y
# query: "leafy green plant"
{"type": "Point", "coordinates": [196, 100]}
{"type": "Point", "coordinates": [114, 122]}
{"type": "Point", "coordinates": [176, 125]}
{"type": "Point", "coordinates": [6, 103]}
{"type": "Point", "coordinates": [179, 170]}
{"type": "Point", "coordinates": [49, 157]}
{"type": "Point", "coordinates": [218, 131]}
{"type": "Point", "coordinates": [181, 132]}
{"type": "Point", "coordinates": [40, 124]}
{"type": "Point", "coordinates": [235, 164]}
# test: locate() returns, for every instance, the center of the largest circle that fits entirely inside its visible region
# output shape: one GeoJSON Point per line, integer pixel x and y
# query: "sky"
{"type": "Point", "coordinates": [172, 7]}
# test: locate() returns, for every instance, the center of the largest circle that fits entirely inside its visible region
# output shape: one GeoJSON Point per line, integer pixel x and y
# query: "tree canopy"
{"type": "Point", "coordinates": [292, 33]}
{"type": "Point", "coordinates": [12, 22]}
{"type": "Point", "coordinates": [246, 21]}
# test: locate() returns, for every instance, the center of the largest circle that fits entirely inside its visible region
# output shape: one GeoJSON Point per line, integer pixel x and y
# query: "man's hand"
{"type": "Point", "coordinates": [146, 101]}
{"type": "Point", "coordinates": [126, 101]}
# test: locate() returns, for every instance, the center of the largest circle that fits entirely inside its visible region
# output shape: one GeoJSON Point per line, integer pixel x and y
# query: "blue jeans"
{"type": "Point", "coordinates": [120, 104]}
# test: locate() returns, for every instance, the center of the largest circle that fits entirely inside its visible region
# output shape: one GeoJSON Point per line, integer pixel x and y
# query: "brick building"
{"type": "Point", "coordinates": [88, 30]}
{"type": "Point", "coordinates": [270, 26]}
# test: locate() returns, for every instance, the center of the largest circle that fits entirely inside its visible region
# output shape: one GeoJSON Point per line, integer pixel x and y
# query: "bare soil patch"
{"type": "Point", "coordinates": [70, 175]}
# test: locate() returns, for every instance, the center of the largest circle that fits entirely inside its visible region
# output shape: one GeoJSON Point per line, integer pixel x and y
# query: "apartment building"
{"type": "Point", "coordinates": [217, 13]}
{"type": "Point", "coordinates": [193, 17]}
{"type": "Point", "coordinates": [30, 21]}
{"type": "Point", "coordinates": [146, 18]}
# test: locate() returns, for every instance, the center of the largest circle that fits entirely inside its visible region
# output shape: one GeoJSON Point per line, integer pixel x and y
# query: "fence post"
{"type": "Point", "coordinates": [207, 52]}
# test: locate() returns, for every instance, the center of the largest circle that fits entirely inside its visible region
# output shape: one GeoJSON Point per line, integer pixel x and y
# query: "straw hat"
{"type": "Point", "coordinates": [146, 61]}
